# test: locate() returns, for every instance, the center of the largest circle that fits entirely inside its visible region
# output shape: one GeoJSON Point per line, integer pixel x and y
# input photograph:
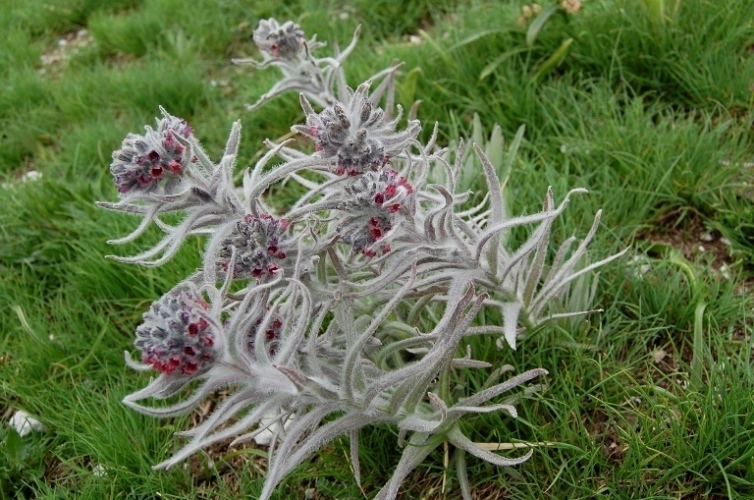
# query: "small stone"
{"type": "Point", "coordinates": [264, 438]}
{"type": "Point", "coordinates": [31, 175]}
{"type": "Point", "coordinates": [23, 423]}
{"type": "Point", "coordinates": [725, 271]}
{"type": "Point", "coordinates": [640, 266]}
{"type": "Point", "coordinates": [659, 354]}
{"type": "Point", "coordinates": [99, 471]}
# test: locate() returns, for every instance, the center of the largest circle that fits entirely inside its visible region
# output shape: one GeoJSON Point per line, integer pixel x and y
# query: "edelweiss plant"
{"type": "Point", "coordinates": [351, 308]}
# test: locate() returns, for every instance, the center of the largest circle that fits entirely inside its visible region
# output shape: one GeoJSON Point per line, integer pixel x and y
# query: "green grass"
{"type": "Point", "coordinates": [651, 114]}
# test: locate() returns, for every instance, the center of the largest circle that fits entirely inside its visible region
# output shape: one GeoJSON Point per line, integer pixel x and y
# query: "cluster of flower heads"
{"type": "Point", "coordinates": [360, 140]}
{"type": "Point", "coordinates": [174, 338]}
{"type": "Point", "coordinates": [147, 161]}
{"type": "Point", "coordinates": [357, 134]}
{"type": "Point", "coordinates": [372, 202]}
{"type": "Point", "coordinates": [258, 246]}
{"type": "Point", "coordinates": [285, 42]}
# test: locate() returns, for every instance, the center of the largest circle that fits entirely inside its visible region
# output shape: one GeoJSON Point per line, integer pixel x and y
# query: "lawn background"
{"type": "Point", "coordinates": [648, 106]}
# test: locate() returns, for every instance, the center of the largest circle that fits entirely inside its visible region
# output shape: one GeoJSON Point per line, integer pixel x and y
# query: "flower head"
{"type": "Point", "coordinates": [272, 333]}
{"type": "Point", "coordinates": [372, 201]}
{"type": "Point", "coordinates": [145, 162]}
{"type": "Point", "coordinates": [357, 133]}
{"type": "Point", "coordinates": [258, 243]}
{"type": "Point", "coordinates": [174, 337]}
{"type": "Point", "coordinates": [282, 42]}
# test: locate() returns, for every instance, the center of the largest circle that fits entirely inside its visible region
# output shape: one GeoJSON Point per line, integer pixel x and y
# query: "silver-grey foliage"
{"type": "Point", "coordinates": [350, 309]}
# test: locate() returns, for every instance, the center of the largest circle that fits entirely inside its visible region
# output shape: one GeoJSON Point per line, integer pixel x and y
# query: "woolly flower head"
{"type": "Point", "coordinates": [372, 202]}
{"type": "Point", "coordinates": [281, 42]}
{"type": "Point", "coordinates": [174, 337]}
{"type": "Point", "coordinates": [357, 133]}
{"type": "Point", "coordinates": [258, 244]}
{"type": "Point", "coordinates": [146, 162]}
{"type": "Point", "coordinates": [273, 329]}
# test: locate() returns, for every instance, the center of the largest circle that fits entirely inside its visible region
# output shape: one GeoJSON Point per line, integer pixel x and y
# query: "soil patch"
{"type": "Point", "coordinates": [684, 230]}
